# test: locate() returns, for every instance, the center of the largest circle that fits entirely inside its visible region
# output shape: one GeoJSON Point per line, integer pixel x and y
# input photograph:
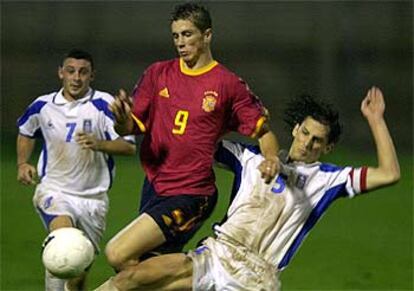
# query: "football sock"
{"type": "Point", "coordinates": [53, 283]}
{"type": "Point", "coordinates": [107, 286]}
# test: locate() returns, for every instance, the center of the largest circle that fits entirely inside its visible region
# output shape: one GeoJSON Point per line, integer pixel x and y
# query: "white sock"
{"type": "Point", "coordinates": [107, 286]}
{"type": "Point", "coordinates": [53, 283]}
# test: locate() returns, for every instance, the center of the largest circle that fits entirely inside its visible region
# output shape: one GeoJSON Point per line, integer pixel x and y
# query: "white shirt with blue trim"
{"type": "Point", "coordinates": [63, 164]}
{"type": "Point", "coordinates": [273, 219]}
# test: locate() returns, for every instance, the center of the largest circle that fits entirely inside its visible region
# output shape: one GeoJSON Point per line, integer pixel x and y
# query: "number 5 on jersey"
{"type": "Point", "coordinates": [180, 122]}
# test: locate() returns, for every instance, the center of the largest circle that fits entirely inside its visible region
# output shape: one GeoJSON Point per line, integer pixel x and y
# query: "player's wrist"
{"type": "Point", "coordinates": [124, 127]}
{"type": "Point", "coordinates": [99, 145]}
{"type": "Point", "coordinates": [19, 164]}
{"type": "Point", "coordinates": [272, 158]}
{"type": "Point", "coordinates": [375, 120]}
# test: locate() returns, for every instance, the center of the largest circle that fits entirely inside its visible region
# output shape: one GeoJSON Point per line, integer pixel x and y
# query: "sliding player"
{"type": "Point", "coordinates": [267, 223]}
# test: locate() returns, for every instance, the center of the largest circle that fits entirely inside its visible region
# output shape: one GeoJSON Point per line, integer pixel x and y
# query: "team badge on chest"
{"type": "Point", "coordinates": [87, 125]}
{"type": "Point", "coordinates": [301, 181]}
{"type": "Point", "coordinates": [209, 101]}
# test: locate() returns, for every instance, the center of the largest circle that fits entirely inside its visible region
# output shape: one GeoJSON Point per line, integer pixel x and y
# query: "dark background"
{"type": "Point", "coordinates": [331, 49]}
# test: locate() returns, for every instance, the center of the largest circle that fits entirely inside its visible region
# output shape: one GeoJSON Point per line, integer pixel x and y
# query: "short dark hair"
{"type": "Point", "coordinates": [301, 107]}
{"type": "Point", "coordinates": [194, 12]}
{"type": "Point", "coordinates": [79, 55]}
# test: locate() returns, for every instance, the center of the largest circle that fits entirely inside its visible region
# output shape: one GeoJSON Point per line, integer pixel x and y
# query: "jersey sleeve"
{"type": "Point", "coordinates": [342, 181]}
{"type": "Point", "coordinates": [356, 181]}
{"type": "Point", "coordinates": [28, 123]}
{"type": "Point", "coordinates": [130, 138]}
{"type": "Point", "coordinates": [248, 113]}
{"type": "Point", "coordinates": [229, 155]}
{"type": "Point", "coordinates": [232, 155]}
{"type": "Point", "coordinates": [106, 119]}
{"type": "Point", "coordinates": [142, 96]}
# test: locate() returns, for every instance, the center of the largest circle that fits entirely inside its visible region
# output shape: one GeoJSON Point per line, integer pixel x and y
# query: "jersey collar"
{"type": "Point", "coordinates": [198, 71]}
{"type": "Point", "coordinates": [58, 99]}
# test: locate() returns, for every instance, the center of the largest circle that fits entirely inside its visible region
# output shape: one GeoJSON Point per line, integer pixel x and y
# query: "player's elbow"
{"type": "Point", "coordinates": [391, 176]}
{"type": "Point", "coordinates": [395, 176]}
{"type": "Point", "coordinates": [131, 150]}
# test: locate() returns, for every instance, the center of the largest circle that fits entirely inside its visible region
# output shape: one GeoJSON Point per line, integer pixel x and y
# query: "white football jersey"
{"type": "Point", "coordinates": [62, 162]}
{"type": "Point", "coordinates": [273, 219]}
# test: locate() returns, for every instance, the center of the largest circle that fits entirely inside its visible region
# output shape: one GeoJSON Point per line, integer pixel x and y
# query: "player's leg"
{"type": "Point", "coordinates": [51, 209]}
{"type": "Point", "coordinates": [166, 221]}
{"type": "Point", "coordinates": [166, 272]}
{"type": "Point", "coordinates": [141, 235]}
{"type": "Point", "coordinates": [53, 283]}
{"type": "Point", "coordinates": [59, 222]}
{"type": "Point", "coordinates": [58, 210]}
{"type": "Point", "coordinates": [179, 218]}
{"type": "Point", "coordinates": [91, 219]}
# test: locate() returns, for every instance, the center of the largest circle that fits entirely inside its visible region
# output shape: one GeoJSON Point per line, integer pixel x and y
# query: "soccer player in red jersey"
{"type": "Point", "coordinates": [183, 107]}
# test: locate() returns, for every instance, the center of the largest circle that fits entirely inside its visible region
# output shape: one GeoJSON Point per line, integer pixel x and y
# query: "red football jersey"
{"type": "Point", "coordinates": [184, 113]}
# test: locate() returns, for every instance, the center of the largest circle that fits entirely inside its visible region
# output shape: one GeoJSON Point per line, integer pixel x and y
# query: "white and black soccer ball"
{"type": "Point", "coordinates": [67, 252]}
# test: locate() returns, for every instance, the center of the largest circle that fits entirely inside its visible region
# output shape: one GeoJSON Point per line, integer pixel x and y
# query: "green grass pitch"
{"type": "Point", "coordinates": [360, 244]}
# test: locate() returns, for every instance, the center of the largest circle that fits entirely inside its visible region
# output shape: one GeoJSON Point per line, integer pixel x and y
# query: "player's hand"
{"type": "Point", "coordinates": [121, 108]}
{"type": "Point", "coordinates": [88, 141]}
{"type": "Point", "coordinates": [26, 174]}
{"type": "Point", "coordinates": [269, 167]}
{"type": "Point", "coordinates": [373, 105]}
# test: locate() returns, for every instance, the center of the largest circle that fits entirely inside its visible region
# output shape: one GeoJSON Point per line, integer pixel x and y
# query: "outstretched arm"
{"type": "Point", "coordinates": [26, 173]}
{"type": "Point", "coordinates": [388, 169]}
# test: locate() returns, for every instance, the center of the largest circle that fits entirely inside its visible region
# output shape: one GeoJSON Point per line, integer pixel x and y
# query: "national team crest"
{"type": "Point", "coordinates": [301, 181]}
{"type": "Point", "coordinates": [209, 101]}
{"type": "Point", "coordinates": [87, 125]}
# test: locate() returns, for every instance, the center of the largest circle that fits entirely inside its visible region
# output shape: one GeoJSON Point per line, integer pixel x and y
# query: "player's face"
{"type": "Point", "coordinates": [310, 141]}
{"type": "Point", "coordinates": [189, 41]}
{"type": "Point", "coordinates": [76, 76]}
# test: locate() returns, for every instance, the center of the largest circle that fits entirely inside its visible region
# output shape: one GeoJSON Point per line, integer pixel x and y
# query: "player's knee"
{"type": "Point", "coordinates": [114, 257]}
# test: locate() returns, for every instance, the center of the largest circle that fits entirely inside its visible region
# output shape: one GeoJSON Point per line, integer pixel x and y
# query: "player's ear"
{"type": "Point", "coordinates": [295, 130]}
{"type": "Point", "coordinates": [208, 33]}
{"type": "Point", "coordinates": [60, 73]}
{"type": "Point", "coordinates": [93, 73]}
{"type": "Point", "coordinates": [328, 148]}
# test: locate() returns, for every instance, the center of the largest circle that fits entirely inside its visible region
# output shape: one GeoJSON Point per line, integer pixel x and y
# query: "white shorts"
{"type": "Point", "coordinates": [88, 213]}
{"type": "Point", "coordinates": [220, 265]}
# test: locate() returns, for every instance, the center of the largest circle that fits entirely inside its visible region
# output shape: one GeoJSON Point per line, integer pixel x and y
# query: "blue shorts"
{"type": "Point", "coordinates": [179, 217]}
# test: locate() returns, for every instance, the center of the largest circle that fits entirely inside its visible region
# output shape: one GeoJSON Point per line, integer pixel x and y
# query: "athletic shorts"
{"type": "Point", "coordinates": [179, 217]}
{"type": "Point", "coordinates": [220, 265]}
{"type": "Point", "coordinates": [87, 213]}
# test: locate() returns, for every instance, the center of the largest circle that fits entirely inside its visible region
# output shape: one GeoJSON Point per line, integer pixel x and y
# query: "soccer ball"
{"type": "Point", "coordinates": [67, 252]}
